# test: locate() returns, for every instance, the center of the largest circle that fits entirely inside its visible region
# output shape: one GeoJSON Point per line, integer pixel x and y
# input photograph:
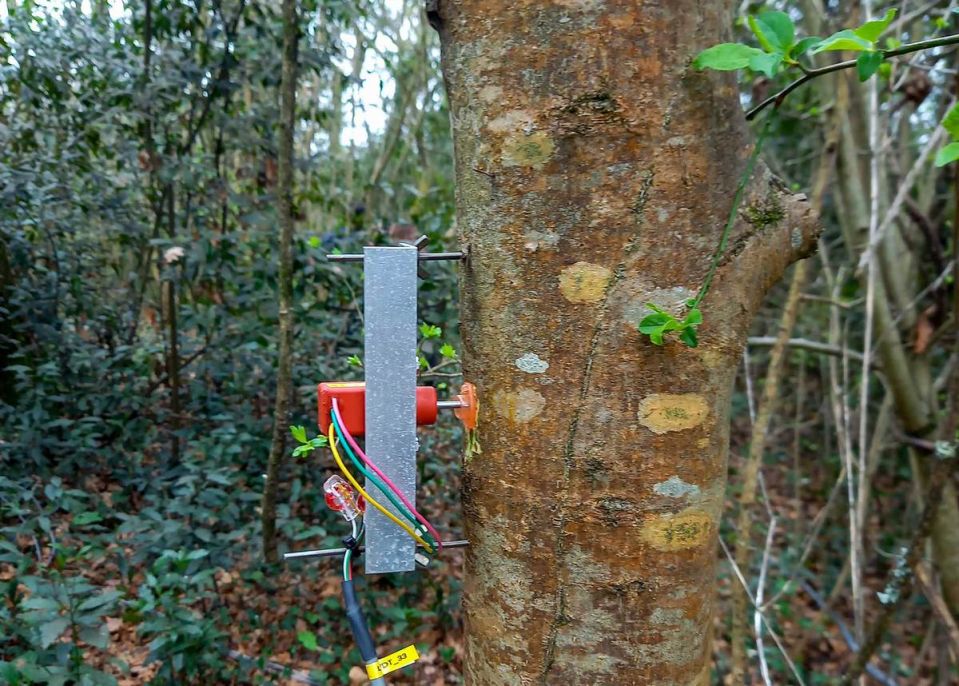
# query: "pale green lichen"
{"type": "Point", "coordinates": [531, 150]}
{"type": "Point", "coordinates": [674, 487]}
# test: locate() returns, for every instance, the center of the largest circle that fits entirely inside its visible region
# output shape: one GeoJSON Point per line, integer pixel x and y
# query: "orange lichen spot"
{"type": "Point", "coordinates": [664, 412]}
{"type": "Point", "coordinates": [533, 150]}
{"type": "Point", "coordinates": [584, 282]}
{"type": "Point", "coordinates": [518, 406]}
{"type": "Point", "coordinates": [687, 529]}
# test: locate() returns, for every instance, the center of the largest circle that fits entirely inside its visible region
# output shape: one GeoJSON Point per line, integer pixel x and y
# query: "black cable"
{"type": "Point", "coordinates": [358, 625]}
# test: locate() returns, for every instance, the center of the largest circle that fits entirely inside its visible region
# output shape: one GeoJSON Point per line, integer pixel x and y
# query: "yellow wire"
{"type": "Point", "coordinates": [356, 485]}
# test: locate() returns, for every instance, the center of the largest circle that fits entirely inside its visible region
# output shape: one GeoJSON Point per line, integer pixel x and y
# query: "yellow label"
{"type": "Point", "coordinates": [390, 663]}
{"type": "Point", "coordinates": [345, 384]}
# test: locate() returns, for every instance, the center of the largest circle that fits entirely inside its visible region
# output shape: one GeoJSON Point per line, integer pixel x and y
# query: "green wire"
{"type": "Point", "coordinates": [348, 555]}
{"type": "Point", "coordinates": [381, 486]}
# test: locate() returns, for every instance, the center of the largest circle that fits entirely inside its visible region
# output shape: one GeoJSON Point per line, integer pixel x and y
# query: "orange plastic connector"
{"type": "Point", "coordinates": [469, 412]}
{"type": "Point", "coordinates": [351, 400]}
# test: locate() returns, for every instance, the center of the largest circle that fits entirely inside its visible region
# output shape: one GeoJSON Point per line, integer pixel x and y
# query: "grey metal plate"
{"type": "Point", "coordinates": [389, 359]}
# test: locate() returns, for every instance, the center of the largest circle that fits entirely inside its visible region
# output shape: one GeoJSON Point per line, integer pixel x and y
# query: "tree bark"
{"type": "Point", "coordinates": [594, 173]}
{"type": "Point", "coordinates": [284, 190]}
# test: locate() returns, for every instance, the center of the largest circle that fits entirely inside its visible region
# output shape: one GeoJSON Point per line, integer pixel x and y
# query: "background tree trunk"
{"type": "Point", "coordinates": [594, 173]}
{"type": "Point", "coordinates": [284, 191]}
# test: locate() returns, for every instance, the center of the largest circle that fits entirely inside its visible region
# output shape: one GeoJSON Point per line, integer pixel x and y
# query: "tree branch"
{"type": "Point", "coordinates": [811, 74]}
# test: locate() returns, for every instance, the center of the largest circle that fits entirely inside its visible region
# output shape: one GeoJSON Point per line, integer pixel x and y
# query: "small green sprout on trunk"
{"type": "Point", "coordinates": [306, 445]}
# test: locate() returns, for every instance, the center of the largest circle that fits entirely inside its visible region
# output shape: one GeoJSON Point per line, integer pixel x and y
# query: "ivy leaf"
{"type": "Point", "coordinates": [774, 31]}
{"type": "Point", "coordinates": [871, 30]}
{"type": "Point", "coordinates": [766, 63]}
{"type": "Point", "coordinates": [307, 639]}
{"type": "Point", "coordinates": [299, 433]}
{"type": "Point", "coordinates": [867, 63]}
{"type": "Point", "coordinates": [448, 351]}
{"type": "Point", "coordinates": [951, 121]}
{"type": "Point", "coordinates": [726, 57]}
{"type": "Point", "coordinates": [843, 40]}
{"type": "Point", "coordinates": [948, 154]}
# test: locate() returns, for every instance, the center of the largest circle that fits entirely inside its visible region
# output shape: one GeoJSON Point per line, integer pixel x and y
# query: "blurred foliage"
{"type": "Point", "coordinates": [138, 159]}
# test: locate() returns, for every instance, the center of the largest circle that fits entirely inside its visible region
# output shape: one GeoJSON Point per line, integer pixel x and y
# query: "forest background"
{"type": "Point", "coordinates": [139, 286]}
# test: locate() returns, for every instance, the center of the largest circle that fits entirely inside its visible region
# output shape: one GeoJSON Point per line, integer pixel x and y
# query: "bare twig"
{"type": "Point", "coordinates": [742, 581]}
{"type": "Point", "coordinates": [939, 607]}
{"type": "Point", "coordinates": [758, 613]}
{"type": "Point", "coordinates": [806, 344]}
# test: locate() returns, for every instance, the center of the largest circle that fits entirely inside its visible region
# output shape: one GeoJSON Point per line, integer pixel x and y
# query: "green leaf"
{"type": "Point", "coordinates": [800, 48]}
{"type": "Point", "coordinates": [84, 518]}
{"type": "Point", "coordinates": [654, 322]}
{"type": "Point", "coordinates": [774, 31]}
{"type": "Point", "coordinates": [867, 63]}
{"type": "Point", "coordinates": [314, 242]}
{"type": "Point", "coordinates": [40, 603]}
{"type": "Point", "coordinates": [302, 450]}
{"type": "Point", "coordinates": [948, 154]}
{"type": "Point", "coordinates": [951, 121]}
{"type": "Point", "coordinates": [726, 57]}
{"type": "Point", "coordinates": [448, 351]}
{"type": "Point", "coordinates": [50, 631]}
{"type": "Point", "coordinates": [871, 30]}
{"type": "Point", "coordinates": [99, 601]}
{"type": "Point", "coordinates": [694, 318]}
{"type": "Point", "coordinates": [354, 361]}
{"type": "Point", "coordinates": [96, 636]}
{"type": "Point", "coordinates": [429, 331]}
{"type": "Point", "coordinates": [307, 639]}
{"type": "Point", "coordinates": [656, 337]}
{"type": "Point", "coordinates": [299, 433]}
{"type": "Point", "coordinates": [843, 40]}
{"type": "Point", "coordinates": [767, 63]}
{"type": "Point", "coordinates": [688, 336]}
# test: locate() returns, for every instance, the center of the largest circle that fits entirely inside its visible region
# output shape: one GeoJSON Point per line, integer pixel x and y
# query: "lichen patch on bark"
{"type": "Point", "coordinates": [519, 406]}
{"type": "Point", "coordinates": [522, 150]}
{"type": "Point", "coordinates": [665, 412]}
{"type": "Point", "coordinates": [687, 529]}
{"type": "Point", "coordinates": [674, 487]}
{"type": "Point", "coordinates": [584, 282]}
{"type": "Point", "coordinates": [531, 363]}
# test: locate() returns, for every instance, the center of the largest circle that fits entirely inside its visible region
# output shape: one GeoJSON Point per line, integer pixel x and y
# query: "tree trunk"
{"type": "Point", "coordinates": [594, 173]}
{"type": "Point", "coordinates": [284, 191]}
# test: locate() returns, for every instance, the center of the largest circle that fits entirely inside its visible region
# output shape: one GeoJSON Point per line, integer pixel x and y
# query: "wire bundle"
{"type": "Point", "coordinates": [419, 529]}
